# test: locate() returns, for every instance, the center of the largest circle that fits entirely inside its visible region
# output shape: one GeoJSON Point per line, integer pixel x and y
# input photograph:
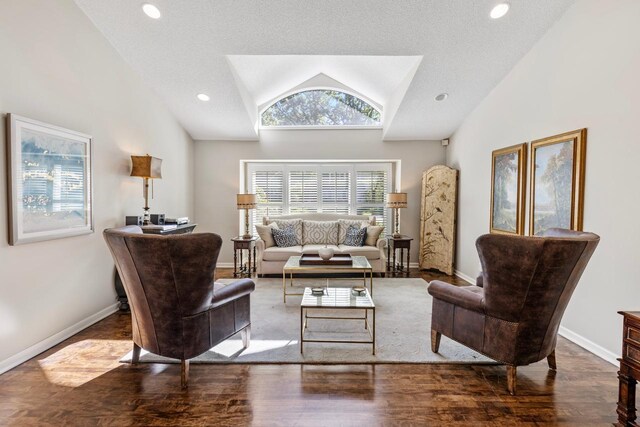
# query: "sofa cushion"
{"type": "Point", "coordinates": [355, 235]}
{"type": "Point", "coordinates": [313, 249]}
{"type": "Point", "coordinates": [371, 252]}
{"type": "Point", "coordinates": [265, 233]}
{"type": "Point", "coordinates": [285, 238]}
{"type": "Point", "coordinates": [296, 223]}
{"type": "Point", "coordinates": [319, 232]}
{"type": "Point", "coordinates": [344, 225]}
{"type": "Point", "coordinates": [276, 253]}
{"type": "Point", "coordinates": [373, 234]}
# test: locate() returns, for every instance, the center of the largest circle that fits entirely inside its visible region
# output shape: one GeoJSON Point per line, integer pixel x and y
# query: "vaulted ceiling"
{"type": "Point", "coordinates": [398, 54]}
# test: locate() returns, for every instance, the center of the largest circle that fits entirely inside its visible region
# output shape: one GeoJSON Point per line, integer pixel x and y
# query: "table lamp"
{"type": "Point", "coordinates": [397, 201]}
{"type": "Point", "coordinates": [246, 202]}
{"type": "Point", "coordinates": [147, 168]}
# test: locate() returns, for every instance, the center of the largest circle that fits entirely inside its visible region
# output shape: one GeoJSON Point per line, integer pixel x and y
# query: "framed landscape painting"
{"type": "Point", "coordinates": [557, 182]}
{"type": "Point", "coordinates": [49, 176]}
{"type": "Point", "coordinates": [507, 189]}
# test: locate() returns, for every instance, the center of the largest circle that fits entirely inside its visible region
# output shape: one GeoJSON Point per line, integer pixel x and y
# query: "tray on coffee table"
{"type": "Point", "coordinates": [337, 259]}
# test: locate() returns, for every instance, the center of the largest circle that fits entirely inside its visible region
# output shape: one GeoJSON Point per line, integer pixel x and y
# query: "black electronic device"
{"type": "Point", "coordinates": [133, 220]}
{"type": "Point", "coordinates": [157, 219]}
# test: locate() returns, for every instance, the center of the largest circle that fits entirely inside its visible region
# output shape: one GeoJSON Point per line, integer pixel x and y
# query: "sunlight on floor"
{"type": "Point", "coordinates": [76, 364]}
{"type": "Point", "coordinates": [232, 347]}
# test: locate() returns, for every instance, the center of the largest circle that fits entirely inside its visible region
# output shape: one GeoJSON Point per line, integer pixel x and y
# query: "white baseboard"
{"type": "Point", "coordinates": [47, 343]}
{"type": "Point", "coordinates": [463, 276]}
{"type": "Point", "coordinates": [588, 345]}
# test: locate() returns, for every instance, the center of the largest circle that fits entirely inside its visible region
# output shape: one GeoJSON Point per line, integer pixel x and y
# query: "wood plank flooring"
{"type": "Point", "coordinates": [80, 382]}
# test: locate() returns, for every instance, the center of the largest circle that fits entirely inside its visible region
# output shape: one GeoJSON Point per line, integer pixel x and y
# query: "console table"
{"type": "Point", "coordinates": [122, 295]}
{"type": "Point", "coordinates": [403, 243]}
{"type": "Point", "coordinates": [629, 372]}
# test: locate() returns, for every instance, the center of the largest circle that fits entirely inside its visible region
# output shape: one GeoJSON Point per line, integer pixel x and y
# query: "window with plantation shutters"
{"type": "Point", "coordinates": [341, 188]}
{"type": "Point", "coordinates": [371, 188]}
{"type": "Point", "coordinates": [336, 192]}
{"type": "Point", "coordinates": [303, 191]}
{"type": "Point", "coordinates": [268, 185]}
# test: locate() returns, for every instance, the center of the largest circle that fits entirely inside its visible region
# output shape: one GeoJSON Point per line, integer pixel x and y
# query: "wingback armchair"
{"type": "Point", "coordinates": [524, 288]}
{"type": "Point", "coordinates": [177, 310]}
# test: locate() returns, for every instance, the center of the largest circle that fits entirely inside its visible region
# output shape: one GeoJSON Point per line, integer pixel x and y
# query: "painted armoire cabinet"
{"type": "Point", "coordinates": [438, 219]}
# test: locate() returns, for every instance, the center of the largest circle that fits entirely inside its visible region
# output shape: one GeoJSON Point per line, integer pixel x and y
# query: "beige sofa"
{"type": "Point", "coordinates": [271, 260]}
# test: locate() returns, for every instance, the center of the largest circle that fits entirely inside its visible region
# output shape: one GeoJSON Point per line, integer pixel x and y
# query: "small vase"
{"type": "Point", "coordinates": [325, 253]}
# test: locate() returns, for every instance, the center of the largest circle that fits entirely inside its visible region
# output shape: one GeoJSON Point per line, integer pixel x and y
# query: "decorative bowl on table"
{"type": "Point", "coordinates": [317, 291]}
{"type": "Point", "coordinates": [325, 253]}
{"type": "Point", "coordinates": [359, 291]}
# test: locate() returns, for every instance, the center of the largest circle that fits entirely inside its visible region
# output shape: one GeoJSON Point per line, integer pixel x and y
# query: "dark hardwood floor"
{"type": "Point", "coordinates": [80, 382]}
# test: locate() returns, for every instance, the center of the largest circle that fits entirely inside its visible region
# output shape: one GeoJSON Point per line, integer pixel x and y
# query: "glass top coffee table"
{"type": "Point", "coordinates": [338, 299]}
{"type": "Point", "coordinates": [360, 265]}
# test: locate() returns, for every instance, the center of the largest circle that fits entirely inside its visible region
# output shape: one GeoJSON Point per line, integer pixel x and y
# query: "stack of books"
{"type": "Point", "coordinates": [160, 227]}
{"type": "Point", "coordinates": [177, 221]}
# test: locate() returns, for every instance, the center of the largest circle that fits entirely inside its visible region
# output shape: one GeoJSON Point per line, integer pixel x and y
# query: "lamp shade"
{"type": "Point", "coordinates": [146, 166]}
{"type": "Point", "coordinates": [397, 200]}
{"type": "Point", "coordinates": [247, 201]}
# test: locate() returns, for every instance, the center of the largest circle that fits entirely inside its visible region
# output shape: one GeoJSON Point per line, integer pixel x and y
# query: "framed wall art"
{"type": "Point", "coordinates": [557, 182]}
{"type": "Point", "coordinates": [49, 179]}
{"type": "Point", "coordinates": [508, 181]}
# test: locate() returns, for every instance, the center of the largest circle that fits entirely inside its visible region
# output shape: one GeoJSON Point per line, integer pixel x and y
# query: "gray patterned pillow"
{"type": "Point", "coordinates": [296, 223]}
{"type": "Point", "coordinates": [285, 238]}
{"type": "Point", "coordinates": [319, 232]}
{"type": "Point", "coordinates": [355, 236]}
{"type": "Point", "coordinates": [344, 225]}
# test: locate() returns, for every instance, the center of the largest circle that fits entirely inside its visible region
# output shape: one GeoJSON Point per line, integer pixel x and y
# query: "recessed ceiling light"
{"type": "Point", "coordinates": [442, 97]}
{"type": "Point", "coordinates": [203, 97]}
{"type": "Point", "coordinates": [151, 11]}
{"type": "Point", "coordinates": [499, 10]}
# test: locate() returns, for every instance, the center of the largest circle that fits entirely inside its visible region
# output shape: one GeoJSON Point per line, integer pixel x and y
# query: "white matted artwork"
{"type": "Point", "coordinates": [49, 181]}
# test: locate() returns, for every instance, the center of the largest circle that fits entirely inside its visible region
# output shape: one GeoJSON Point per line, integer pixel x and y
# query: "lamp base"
{"type": "Point", "coordinates": [397, 235]}
{"type": "Point", "coordinates": [247, 236]}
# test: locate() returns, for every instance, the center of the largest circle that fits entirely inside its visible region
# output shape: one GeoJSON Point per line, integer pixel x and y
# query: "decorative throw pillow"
{"type": "Point", "coordinates": [373, 234]}
{"type": "Point", "coordinates": [296, 223]}
{"type": "Point", "coordinates": [344, 225]}
{"type": "Point", "coordinates": [320, 232]}
{"type": "Point", "coordinates": [285, 238]}
{"type": "Point", "coordinates": [264, 231]}
{"type": "Point", "coordinates": [355, 236]}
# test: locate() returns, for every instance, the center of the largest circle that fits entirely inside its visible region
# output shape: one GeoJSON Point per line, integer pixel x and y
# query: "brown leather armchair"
{"type": "Point", "coordinates": [177, 310]}
{"type": "Point", "coordinates": [514, 315]}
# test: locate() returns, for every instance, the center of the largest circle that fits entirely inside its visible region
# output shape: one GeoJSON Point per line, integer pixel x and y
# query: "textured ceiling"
{"type": "Point", "coordinates": [191, 48]}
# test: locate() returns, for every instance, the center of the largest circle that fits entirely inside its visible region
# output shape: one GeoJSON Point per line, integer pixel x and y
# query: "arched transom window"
{"type": "Point", "coordinates": [321, 107]}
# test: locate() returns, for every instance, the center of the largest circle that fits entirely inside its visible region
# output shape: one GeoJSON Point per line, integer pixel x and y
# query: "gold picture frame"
{"type": "Point", "coordinates": [508, 186]}
{"type": "Point", "coordinates": [557, 182]}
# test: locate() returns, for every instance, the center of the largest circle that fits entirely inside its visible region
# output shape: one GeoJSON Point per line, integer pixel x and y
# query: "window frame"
{"type": "Point", "coordinates": [250, 167]}
{"type": "Point", "coordinates": [272, 102]}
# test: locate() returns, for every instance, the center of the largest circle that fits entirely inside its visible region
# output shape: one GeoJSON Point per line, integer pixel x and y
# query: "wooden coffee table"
{"type": "Point", "coordinates": [360, 265]}
{"type": "Point", "coordinates": [343, 299]}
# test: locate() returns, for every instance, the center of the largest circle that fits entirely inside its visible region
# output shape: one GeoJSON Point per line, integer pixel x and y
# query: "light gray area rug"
{"type": "Point", "coordinates": [403, 318]}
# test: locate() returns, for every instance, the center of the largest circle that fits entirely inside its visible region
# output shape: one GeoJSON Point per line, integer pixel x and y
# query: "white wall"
{"type": "Point", "coordinates": [582, 73]}
{"type": "Point", "coordinates": [217, 171]}
{"type": "Point", "coordinates": [57, 68]}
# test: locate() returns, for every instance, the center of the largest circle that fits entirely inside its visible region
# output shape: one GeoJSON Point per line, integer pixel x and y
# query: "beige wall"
{"type": "Point", "coordinates": [57, 68]}
{"type": "Point", "coordinates": [582, 73]}
{"type": "Point", "coordinates": [217, 171]}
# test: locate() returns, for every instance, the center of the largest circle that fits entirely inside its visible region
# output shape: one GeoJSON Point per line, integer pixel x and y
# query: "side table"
{"type": "Point", "coordinates": [629, 372]}
{"type": "Point", "coordinates": [402, 243]}
{"type": "Point", "coordinates": [241, 244]}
